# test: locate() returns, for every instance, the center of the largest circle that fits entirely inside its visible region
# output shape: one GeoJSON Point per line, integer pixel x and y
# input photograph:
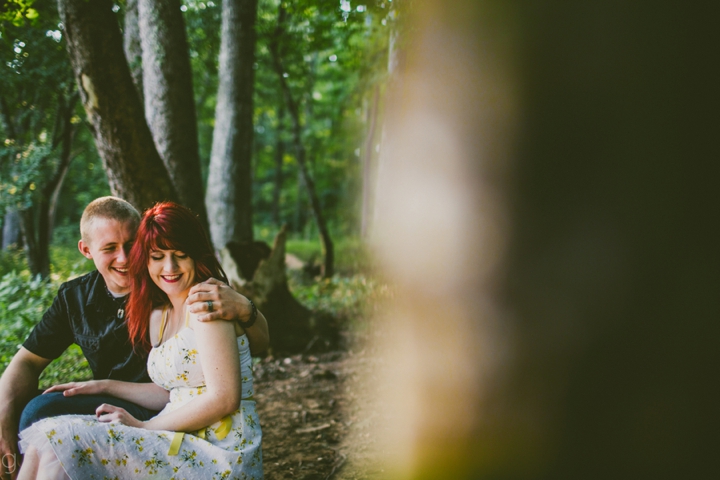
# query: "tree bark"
{"type": "Point", "coordinates": [134, 168]}
{"type": "Point", "coordinates": [169, 100]}
{"type": "Point", "coordinates": [37, 221]}
{"type": "Point", "coordinates": [326, 241]}
{"type": "Point", "coordinates": [229, 193]}
{"type": "Point", "coordinates": [268, 288]}
{"type": "Point", "coordinates": [12, 235]}
{"type": "Point", "coordinates": [548, 194]}
{"type": "Point", "coordinates": [132, 45]}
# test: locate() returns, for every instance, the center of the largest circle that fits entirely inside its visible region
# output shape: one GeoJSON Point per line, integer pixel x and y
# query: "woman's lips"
{"type": "Point", "coordinates": [171, 278]}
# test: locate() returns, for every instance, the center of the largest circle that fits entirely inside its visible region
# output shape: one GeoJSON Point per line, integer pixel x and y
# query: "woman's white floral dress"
{"type": "Point", "coordinates": [89, 449]}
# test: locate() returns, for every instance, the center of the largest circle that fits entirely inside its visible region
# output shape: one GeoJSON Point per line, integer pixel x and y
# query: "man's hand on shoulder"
{"type": "Point", "coordinates": [214, 300]}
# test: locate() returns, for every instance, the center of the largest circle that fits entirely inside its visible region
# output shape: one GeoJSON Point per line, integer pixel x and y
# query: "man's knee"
{"type": "Point", "coordinates": [43, 406]}
{"type": "Point", "coordinates": [55, 404]}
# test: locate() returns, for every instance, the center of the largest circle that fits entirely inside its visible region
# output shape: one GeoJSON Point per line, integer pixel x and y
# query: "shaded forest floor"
{"type": "Point", "coordinates": [317, 420]}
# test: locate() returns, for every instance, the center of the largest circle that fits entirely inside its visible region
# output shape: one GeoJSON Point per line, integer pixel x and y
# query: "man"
{"type": "Point", "coordinates": [89, 311]}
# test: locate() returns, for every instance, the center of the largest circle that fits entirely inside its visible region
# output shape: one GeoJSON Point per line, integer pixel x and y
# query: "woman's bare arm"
{"type": "Point", "coordinates": [218, 352]}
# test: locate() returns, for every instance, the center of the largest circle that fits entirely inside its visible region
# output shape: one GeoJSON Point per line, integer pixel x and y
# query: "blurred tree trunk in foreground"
{"type": "Point", "coordinates": [229, 192]}
{"type": "Point", "coordinates": [548, 202]}
{"type": "Point", "coordinates": [95, 46]}
{"type": "Point", "coordinates": [169, 101]}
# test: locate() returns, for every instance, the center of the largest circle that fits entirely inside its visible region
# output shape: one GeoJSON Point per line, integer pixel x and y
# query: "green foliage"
{"type": "Point", "coordinates": [23, 300]}
{"type": "Point", "coordinates": [350, 299]}
{"type": "Point", "coordinates": [17, 12]}
{"type": "Point", "coordinates": [12, 261]}
{"type": "Point", "coordinates": [352, 255]}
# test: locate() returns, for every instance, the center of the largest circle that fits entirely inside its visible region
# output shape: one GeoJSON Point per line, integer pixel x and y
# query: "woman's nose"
{"type": "Point", "coordinates": [170, 265]}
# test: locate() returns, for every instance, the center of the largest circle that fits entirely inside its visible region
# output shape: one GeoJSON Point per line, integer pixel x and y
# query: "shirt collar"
{"type": "Point", "coordinates": [99, 293]}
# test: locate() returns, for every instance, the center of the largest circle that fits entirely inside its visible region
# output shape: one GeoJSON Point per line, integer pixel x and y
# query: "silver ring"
{"type": "Point", "coordinates": [210, 305]}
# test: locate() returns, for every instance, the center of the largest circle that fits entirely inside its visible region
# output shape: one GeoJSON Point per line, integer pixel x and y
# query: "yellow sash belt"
{"type": "Point", "coordinates": [221, 431]}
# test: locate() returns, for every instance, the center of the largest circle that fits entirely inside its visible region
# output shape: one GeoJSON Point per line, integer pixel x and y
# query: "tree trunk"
{"type": "Point", "coordinates": [169, 100]}
{"type": "Point", "coordinates": [134, 168]}
{"type": "Point", "coordinates": [37, 221]}
{"type": "Point", "coordinates": [12, 235]}
{"type": "Point", "coordinates": [368, 166]}
{"type": "Point", "coordinates": [132, 46]}
{"type": "Point", "coordinates": [326, 241]}
{"type": "Point", "coordinates": [279, 155]}
{"type": "Point", "coordinates": [229, 196]}
{"type": "Point", "coordinates": [290, 320]}
{"type": "Point", "coordinates": [555, 178]}
{"type": "Point", "coordinates": [300, 215]}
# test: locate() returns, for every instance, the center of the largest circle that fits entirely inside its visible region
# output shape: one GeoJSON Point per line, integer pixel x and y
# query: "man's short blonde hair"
{"type": "Point", "coordinates": [113, 208]}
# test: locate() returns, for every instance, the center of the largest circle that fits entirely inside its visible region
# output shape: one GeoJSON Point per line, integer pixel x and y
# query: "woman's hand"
{"type": "Point", "coordinates": [92, 387]}
{"type": "Point", "coordinates": [110, 413]}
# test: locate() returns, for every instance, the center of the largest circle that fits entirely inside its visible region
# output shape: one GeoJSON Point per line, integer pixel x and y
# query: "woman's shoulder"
{"type": "Point", "coordinates": [194, 323]}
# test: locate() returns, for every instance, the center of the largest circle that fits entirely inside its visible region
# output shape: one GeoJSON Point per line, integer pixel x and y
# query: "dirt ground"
{"type": "Point", "coordinates": [316, 423]}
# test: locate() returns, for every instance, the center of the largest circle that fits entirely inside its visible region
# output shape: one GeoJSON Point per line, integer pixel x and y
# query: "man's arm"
{"type": "Point", "coordinates": [18, 385]}
{"type": "Point", "coordinates": [229, 305]}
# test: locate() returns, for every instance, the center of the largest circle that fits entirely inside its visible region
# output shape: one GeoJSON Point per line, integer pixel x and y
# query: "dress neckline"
{"type": "Point", "coordinates": [163, 324]}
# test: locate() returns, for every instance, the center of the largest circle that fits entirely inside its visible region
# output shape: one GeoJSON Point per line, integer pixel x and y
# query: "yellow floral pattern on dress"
{"type": "Point", "coordinates": [89, 449]}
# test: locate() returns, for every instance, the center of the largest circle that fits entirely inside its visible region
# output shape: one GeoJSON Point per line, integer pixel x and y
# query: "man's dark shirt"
{"type": "Point", "coordinates": [85, 313]}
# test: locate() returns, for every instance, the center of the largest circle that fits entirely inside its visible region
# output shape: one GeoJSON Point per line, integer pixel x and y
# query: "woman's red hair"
{"type": "Point", "coordinates": [165, 226]}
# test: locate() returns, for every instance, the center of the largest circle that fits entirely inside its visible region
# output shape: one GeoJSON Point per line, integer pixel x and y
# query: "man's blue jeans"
{"type": "Point", "coordinates": [54, 404]}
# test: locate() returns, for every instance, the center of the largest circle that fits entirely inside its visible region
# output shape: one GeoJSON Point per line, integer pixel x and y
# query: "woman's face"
{"type": "Point", "coordinates": [172, 271]}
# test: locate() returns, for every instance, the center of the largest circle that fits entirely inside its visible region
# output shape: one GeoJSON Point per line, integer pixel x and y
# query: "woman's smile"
{"type": "Point", "coordinates": [172, 271]}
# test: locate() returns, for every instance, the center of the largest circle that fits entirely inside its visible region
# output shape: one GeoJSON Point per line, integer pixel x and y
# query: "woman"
{"type": "Point", "coordinates": [201, 372]}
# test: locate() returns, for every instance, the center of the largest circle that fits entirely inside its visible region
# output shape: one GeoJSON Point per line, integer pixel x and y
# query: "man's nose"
{"type": "Point", "coordinates": [122, 255]}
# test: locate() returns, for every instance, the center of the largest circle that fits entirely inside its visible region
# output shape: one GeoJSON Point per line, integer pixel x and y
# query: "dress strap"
{"type": "Point", "coordinates": [162, 324]}
{"type": "Point", "coordinates": [187, 317]}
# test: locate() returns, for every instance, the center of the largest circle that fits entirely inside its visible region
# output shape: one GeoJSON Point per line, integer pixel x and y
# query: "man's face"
{"type": "Point", "coordinates": [108, 245]}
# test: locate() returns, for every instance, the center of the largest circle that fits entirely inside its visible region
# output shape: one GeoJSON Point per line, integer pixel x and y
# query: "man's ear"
{"type": "Point", "coordinates": [84, 249]}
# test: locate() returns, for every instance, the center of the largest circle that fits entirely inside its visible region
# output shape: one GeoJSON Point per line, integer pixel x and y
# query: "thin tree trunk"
{"type": "Point", "coordinates": [279, 155]}
{"type": "Point", "coordinates": [368, 166]}
{"type": "Point", "coordinates": [169, 100]}
{"type": "Point", "coordinates": [32, 252]}
{"type": "Point", "coordinates": [94, 42]}
{"type": "Point", "coordinates": [12, 233]}
{"type": "Point", "coordinates": [229, 193]}
{"type": "Point", "coordinates": [328, 249]}
{"type": "Point", "coordinates": [300, 217]}
{"type": "Point", "coordinates": [5, 117]}
{"type": "Point", "coordinates": [37, 221]}
{"type": "Point", "coordinates": [132, 45]}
